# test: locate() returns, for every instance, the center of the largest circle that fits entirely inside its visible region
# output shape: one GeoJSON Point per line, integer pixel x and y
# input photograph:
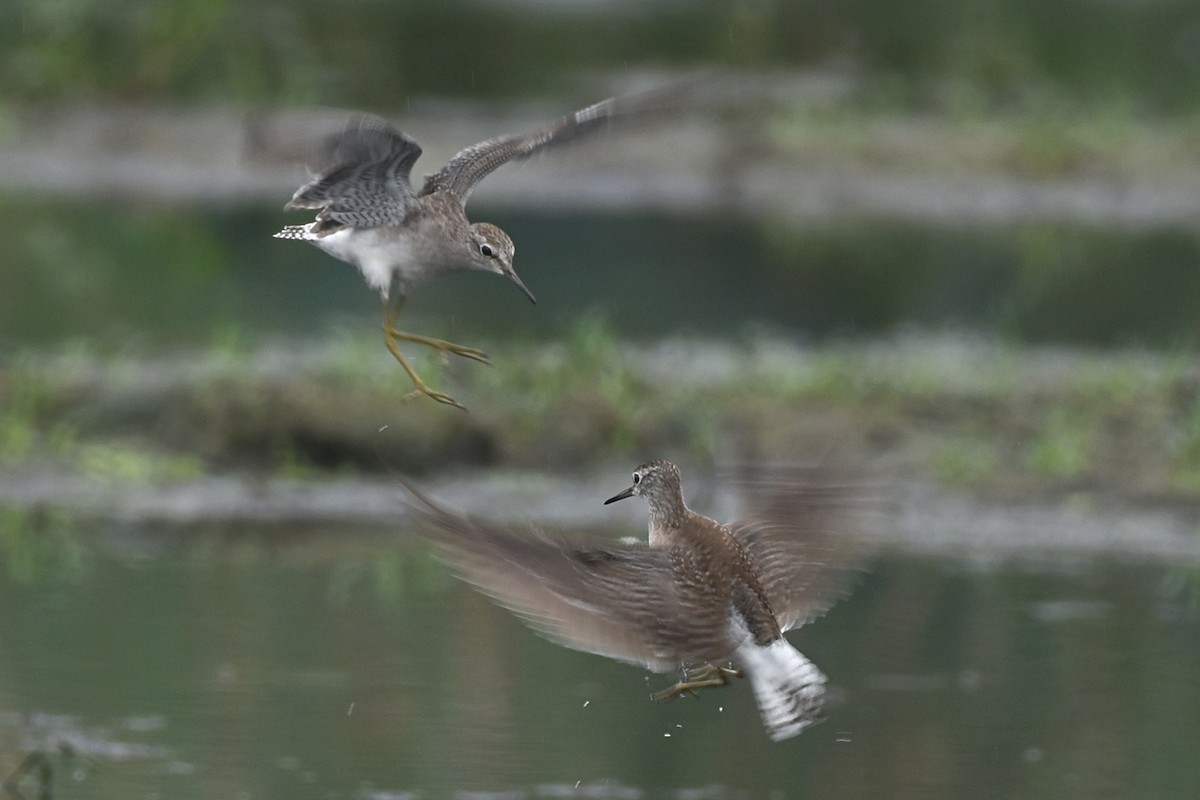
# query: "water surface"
{"type": "Point", "coordinates": [328, 662]}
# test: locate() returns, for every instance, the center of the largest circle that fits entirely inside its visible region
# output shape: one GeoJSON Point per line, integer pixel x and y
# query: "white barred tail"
{"type": "Point", "coordinates": [295, 232]}
{"type": "Point", "coordinates": [788, 687]}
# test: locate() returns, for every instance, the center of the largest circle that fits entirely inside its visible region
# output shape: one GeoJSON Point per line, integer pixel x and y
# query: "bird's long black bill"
{"type": "Point", "coordinates": [627, 493]}
{"type": "Point", "coordinates": [512, 276]}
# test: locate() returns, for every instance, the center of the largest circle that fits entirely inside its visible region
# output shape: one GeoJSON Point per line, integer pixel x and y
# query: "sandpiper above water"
{"type": "Point", "coordinates": [701, 594]}
{"type": "Point", "coordinates": [371, 216]}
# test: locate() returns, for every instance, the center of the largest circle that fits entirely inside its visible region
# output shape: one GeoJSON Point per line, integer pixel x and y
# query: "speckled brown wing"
{"type": "Point", "coordinates": [362, 176]}
{"type": "Point", "coordinates": [800, 535]}
{"type": "Point", "coordinates": [623, 602]}
{"type": "Point", "coordinates": [476, 162]}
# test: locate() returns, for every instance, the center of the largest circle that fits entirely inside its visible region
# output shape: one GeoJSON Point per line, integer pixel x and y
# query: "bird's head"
{"type": "Point", "coordinates": [492, 251]}
{"type": "Point", "coordinates": [655, 480]}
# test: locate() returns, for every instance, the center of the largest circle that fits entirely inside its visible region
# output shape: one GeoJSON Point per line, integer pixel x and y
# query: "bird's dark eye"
{"type": "Point", "coordinates": [636, 479]}
{"type": "Point", "coordinates": [487, 250]}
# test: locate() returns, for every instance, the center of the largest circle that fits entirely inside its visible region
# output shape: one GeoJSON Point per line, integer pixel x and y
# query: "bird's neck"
{"type": "Point", "coordinates": [667, 517]}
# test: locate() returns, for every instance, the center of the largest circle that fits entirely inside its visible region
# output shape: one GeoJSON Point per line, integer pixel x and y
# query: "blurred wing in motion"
{"type": "Point", "coordinates": [362, 176]}
{"type": "Point", "coordinates": [623, 602]}
{"type": "Point", "coordinates": [800, 534]}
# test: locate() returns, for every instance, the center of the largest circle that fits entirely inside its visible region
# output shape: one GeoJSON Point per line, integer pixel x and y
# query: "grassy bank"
{"type": "Point", "coordinates": [967, 415]}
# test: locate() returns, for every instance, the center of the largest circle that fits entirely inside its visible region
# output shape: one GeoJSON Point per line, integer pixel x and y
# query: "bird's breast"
{"type": "Point", "coordinates": [378, 253]}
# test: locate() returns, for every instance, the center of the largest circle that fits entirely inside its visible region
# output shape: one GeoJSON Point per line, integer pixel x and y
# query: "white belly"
{"type": "Point", "coordinates": [379, 253]}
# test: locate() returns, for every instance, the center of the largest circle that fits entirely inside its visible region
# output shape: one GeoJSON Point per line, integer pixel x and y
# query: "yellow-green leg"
{"type": "Point", "coordinates": [392, 335]}
{"type": "Point", "coordinates": [442, 345]}
{"type": "Point", "coordinates": [700, 678]}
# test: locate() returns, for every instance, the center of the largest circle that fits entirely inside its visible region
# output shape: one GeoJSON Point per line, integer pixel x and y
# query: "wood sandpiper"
{"type": "Point", "coordinates": [699, 595]}
{"type": "Point", "coordinates": [371, 216]}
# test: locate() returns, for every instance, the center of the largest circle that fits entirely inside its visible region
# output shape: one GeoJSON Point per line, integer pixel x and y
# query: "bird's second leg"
{"type": "Point", "coordinates": [441, 345]}
{"type": "Point", "coordinates": [391, 335]}
{"type": "Point", "coordinates": [703, 677]}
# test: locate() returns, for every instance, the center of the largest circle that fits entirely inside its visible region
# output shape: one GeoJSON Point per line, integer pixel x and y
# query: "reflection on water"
{"type": "Point", "coordinates": [335, 663]}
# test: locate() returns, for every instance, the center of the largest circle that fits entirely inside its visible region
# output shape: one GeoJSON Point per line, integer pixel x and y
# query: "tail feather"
{"type": "Point", "coordinates": [788, 687]}
{"type": "Point", "coordinates": [296, 232]}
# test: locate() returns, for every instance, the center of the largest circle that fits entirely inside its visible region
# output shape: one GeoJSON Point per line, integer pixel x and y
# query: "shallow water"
{"type": "Point", "coordinates": [177, 275]}
{"type": "Point", "coordinates": [335, 662]}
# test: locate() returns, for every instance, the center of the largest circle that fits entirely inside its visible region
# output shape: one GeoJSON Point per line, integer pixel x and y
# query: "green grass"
{"type": "Point", "coordinates": [1063, 445]}
{"type": "Point", "coordinates": [967, 461]}
{"type": "Point", "coordinates": [23, 393]}
{"type": "Point", "coordinates": [127, 462]}
{"type": "Point", "coordinates": [968, 416]}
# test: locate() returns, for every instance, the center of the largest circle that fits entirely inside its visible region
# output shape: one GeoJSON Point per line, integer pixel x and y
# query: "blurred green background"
{"type": "Point", "coordinates": [952, 246]}
{"type": "Point", "coordinates": [1070, 127]}
{"type": "Point", "coordinates": [939, 55]}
